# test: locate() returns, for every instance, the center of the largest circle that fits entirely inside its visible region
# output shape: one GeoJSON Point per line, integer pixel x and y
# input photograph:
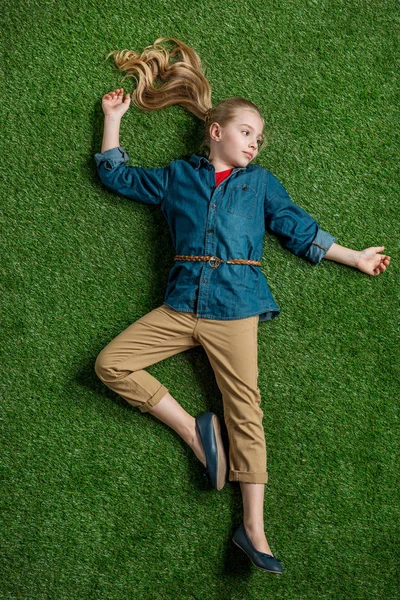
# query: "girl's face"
{"type": "Point", "coordinates": [236, 144]}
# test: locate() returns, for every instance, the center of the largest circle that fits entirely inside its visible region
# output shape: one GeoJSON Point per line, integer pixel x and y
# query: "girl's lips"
{"type": "Point", "coordinates": [249, 155]}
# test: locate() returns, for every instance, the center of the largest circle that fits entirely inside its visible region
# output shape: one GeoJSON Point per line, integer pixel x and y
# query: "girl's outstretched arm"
{"type": "Point", "coordinates": [114, 105]}
{"type": "Point", "coordinates": [368, 261]}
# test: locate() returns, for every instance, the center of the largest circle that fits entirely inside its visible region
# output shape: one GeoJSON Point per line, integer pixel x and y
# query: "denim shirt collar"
{"type": "Point", "coordinates": [198, 160]}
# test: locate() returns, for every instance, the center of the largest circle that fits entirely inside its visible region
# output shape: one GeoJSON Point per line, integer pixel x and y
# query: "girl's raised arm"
{"type": "Point", "coordinates": [138, 183]}
{"type": "Point", "coordinates": [368, 261]}
{"type": "Point", "coordinates": [114, 106]}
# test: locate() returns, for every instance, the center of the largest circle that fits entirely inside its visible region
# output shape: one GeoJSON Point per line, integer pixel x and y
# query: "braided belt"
{"type": "Point", "coordinates": [218, 261]}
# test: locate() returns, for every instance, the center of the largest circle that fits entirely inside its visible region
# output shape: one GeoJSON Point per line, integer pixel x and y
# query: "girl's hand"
{"type": "Point", "coordinates": [372, 263]}
{"type": "Point", "coordinates": [114, 104]}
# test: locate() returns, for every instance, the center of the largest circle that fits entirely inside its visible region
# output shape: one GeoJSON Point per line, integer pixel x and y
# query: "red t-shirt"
{"type": "Point", "coordinates": [221, 175]}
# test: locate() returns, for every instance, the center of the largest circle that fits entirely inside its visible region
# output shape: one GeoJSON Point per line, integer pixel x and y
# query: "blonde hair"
{"type": "Point", "coordinates": [162, 82]}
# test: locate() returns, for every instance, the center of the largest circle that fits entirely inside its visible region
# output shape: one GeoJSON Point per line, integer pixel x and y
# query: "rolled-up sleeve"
{"type": "Point", "coordinates": [298, 231]}
{"type": "Point", "coordinates": [138, 183]}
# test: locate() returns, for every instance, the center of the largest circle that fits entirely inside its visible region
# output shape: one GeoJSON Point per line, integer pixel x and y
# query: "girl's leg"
{"type": "Point", "coordinates": [154, 337]}
{"type": "Point", "coordinates": [253, 514]}
{"type": "Point", "coordinates": [120, 365]}
{"type": "Point", "coordinates": [170, 412]}
{"type": "Point", "coordinates": [231, 347]}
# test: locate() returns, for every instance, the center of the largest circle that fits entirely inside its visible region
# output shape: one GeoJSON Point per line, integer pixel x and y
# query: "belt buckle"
{"type": "Point", "coordinates": [217, 261]}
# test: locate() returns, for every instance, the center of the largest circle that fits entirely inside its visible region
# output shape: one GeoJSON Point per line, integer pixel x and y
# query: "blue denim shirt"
{"type": "Point", "coordinates": [228, 221]}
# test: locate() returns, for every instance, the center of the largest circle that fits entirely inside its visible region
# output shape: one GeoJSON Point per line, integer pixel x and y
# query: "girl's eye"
{"type": "Point", "coordinates": [259, 142]}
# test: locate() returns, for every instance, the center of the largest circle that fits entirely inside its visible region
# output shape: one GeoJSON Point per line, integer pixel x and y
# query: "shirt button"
{"type": "Point", "coordinates": [213, 206]}
{"type": "Point", "coordinates": [204, 280]}
{"type": "Point", "coordinates": [210, 230]}
{"type": "Point", "coordinates": [212, 187]}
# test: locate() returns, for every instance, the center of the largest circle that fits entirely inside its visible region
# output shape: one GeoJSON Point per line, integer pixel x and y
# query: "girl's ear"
{"type": "Point", "coordinates": [215, 131]}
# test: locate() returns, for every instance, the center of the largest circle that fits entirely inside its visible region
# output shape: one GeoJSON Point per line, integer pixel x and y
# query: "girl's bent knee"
{"type": "Point", "coordinates": [102, 368]}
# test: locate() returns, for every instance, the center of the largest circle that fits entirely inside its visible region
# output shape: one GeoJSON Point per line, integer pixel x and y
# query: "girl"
{"type": "Point", "coordinates": [218, 206]}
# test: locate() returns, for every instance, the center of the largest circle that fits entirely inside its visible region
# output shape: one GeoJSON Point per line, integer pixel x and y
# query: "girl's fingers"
{"type": "Point", "coordinates": [382, 267]}
{"type": "Point", "coordinates": [113, 92]}
{"type": "Point", "coordinates": [113, 98]}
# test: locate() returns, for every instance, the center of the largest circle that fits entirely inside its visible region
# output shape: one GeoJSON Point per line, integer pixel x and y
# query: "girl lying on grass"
{"type": "Point", "coordinates": [218, 205]}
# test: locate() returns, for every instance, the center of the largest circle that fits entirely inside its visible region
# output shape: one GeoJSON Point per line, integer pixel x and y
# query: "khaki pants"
{"type": "Point", "coordinates": [231, 347]}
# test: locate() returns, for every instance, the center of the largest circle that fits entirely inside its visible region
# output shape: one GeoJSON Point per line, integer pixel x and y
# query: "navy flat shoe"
{"type": "Point", "coordinates": [209, 430]}
{"type": "Point", "coordinates": [267, 562]}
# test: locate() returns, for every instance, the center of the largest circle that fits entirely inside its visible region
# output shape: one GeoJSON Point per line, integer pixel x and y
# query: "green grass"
{"type": "Point", "coordinates": [100, 501]}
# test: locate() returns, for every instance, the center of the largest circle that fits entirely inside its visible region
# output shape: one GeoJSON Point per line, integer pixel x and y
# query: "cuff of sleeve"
{"type": "Point", "coordinates": [112, 157]}
{"type": "Point", "coordinates": [319, 246]}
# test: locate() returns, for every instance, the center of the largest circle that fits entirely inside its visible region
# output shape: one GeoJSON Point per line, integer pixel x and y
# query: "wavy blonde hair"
{"type": "Point", "coordinates": [164, 78]}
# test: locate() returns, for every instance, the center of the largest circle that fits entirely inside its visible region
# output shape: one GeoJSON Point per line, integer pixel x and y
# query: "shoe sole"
{"type": "Point", "coordinates": [222, 468]}
{"type": "Point", "coordinates": [261, 568]}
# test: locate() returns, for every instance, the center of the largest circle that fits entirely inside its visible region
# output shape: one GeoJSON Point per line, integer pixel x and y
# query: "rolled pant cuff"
{"type": "Point", "coordinates": [160, 393]}
{"type": "Point", "coordinates": [248, 477]}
